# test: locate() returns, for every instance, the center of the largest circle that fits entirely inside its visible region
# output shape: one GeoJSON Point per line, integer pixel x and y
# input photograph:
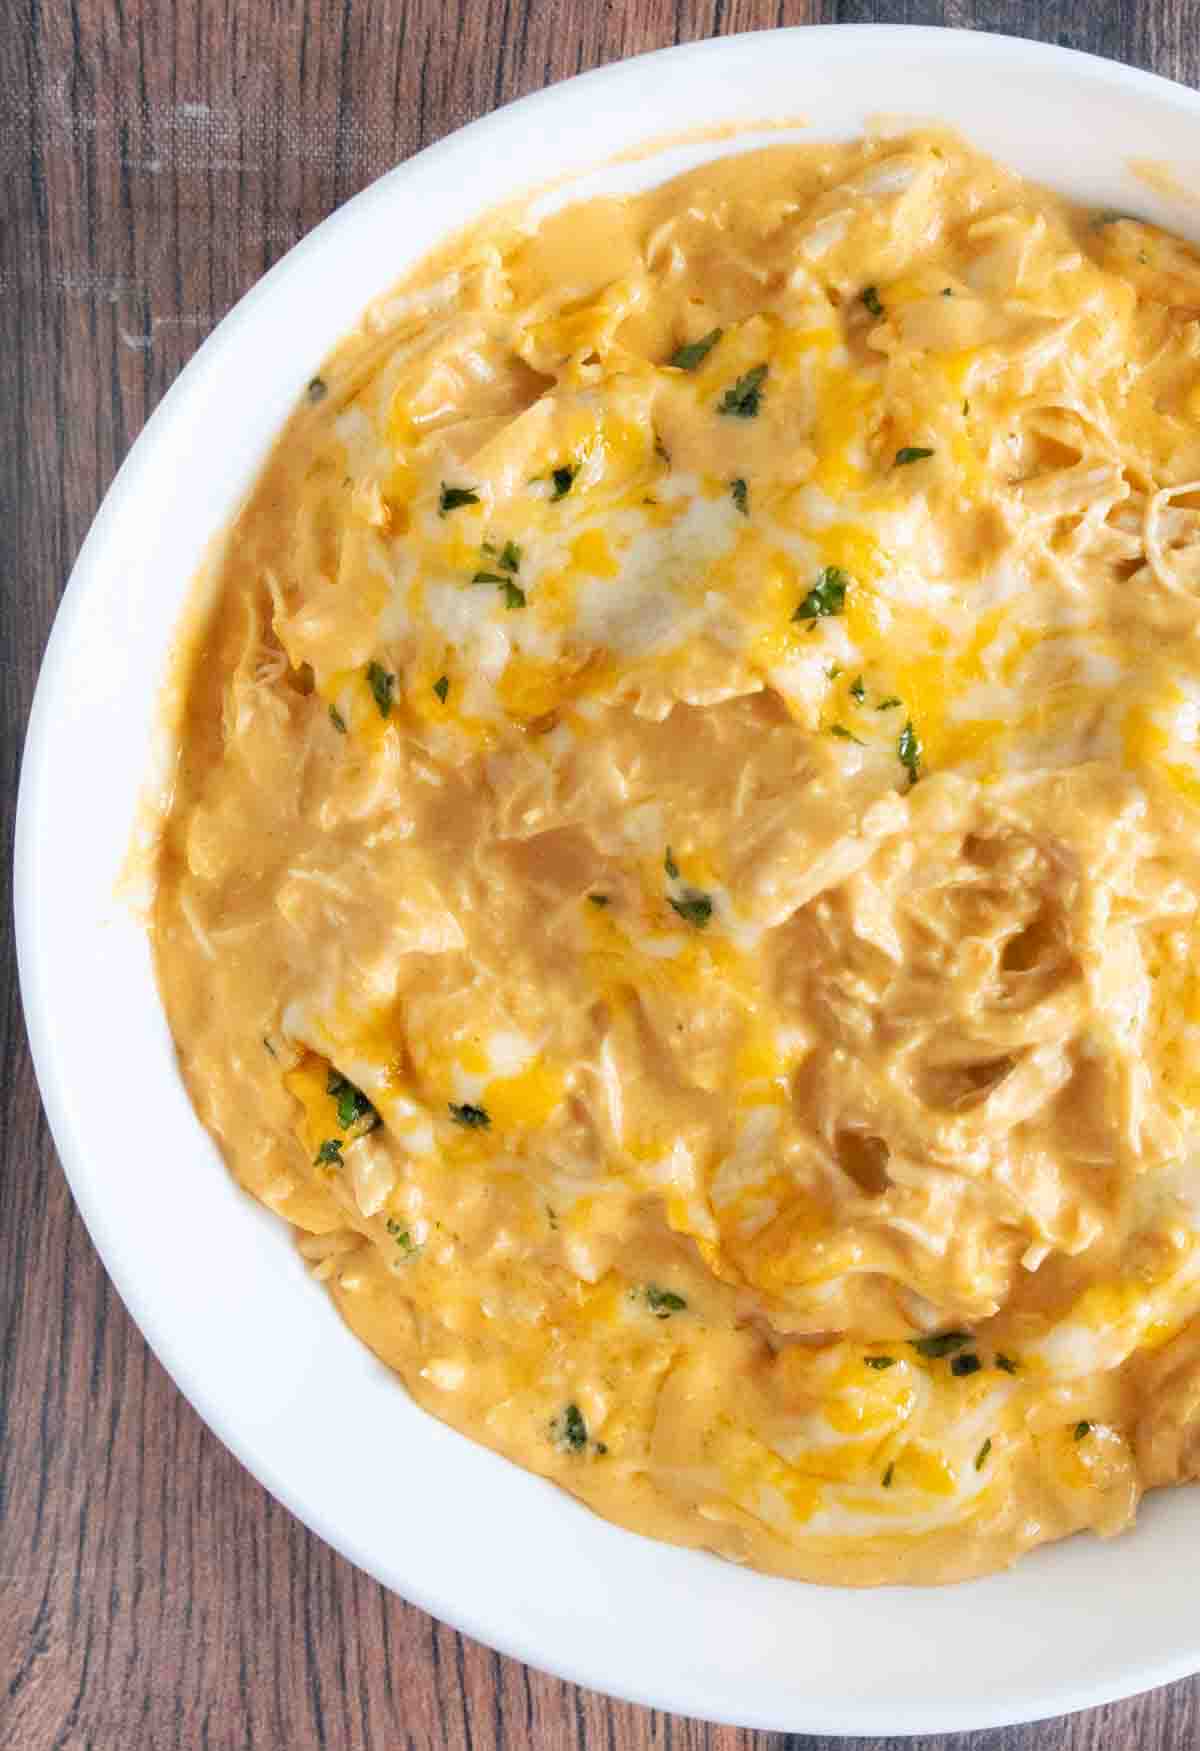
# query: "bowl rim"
{"type": "Point", "coordinates": [684, 1695]}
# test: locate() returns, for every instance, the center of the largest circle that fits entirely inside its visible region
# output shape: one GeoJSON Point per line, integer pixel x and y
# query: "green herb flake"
{"type": "Point", "coordinates": [890, 703]}
{"type": "Point", "coordinates": [442, 687]}
{"type": "Point", "coordinates": [329, 1154]}
{"type": "Point", "coordinates": [966, 407]}
{"type": "Point", "coordinates": [337, 720]}
{"type": "Point", "coordinates": [857, 689]}
{"type": "Point", "coordinates": [870, 297]}
{"type": "Point", "coordinates": [563, 479]}
{"type": "Point", "coordinates": [382, 686]}
{"type": "Point", "coordinates": [317, 390]}
{"type": "Point", "coordinates": [510, 557]}
{"type": "Point", "coordinates": [1005, 1363]}
{"type": "Point", "coordinates": [670, 865]}
{"type": "Point", "coordinates": [598, 899]}
{"type": "Point", "coordinates": [694, 908]}
{"type": "Point", "coordinates": [844, 734]}
{"type": "Point", "coordinates": [453, 498]}
{"type": "Point", "coordinates": [686, 358]}
{"type": "Point", "coordinates": [488, 578]}
{"type": "Point", "coordinates": [402, 1237]}
{"type": "Point", "coordinates": [827, 596]}
{"type": "Point", "coordinates": [1111, 216]}
{"type": "Point", "coordinates": [470, 1117]}
{"type": "Point", "coordinates": [909, 749]}
{"type": "Point", "coordinates": [663, 1302]}
{"type": "Point", "coordinates": [947, 291]}
{"type": "Point", "coordinates": [569, 1430]}
{"type": "Point", "coordinates": [739, 492]}
{"type": "Point", "coordinates": [911, 453]}
{"type": "Point", "coordinates": [964, 1365]}
{"type": "Point", "coordinates": [352, 1103]}
{"type": "Point", "coordinates": [943, 1343]}
{"type": "Point", "coordinates": [514, 595]}
{"type": "Point", "coordinates": [833, 671]}
{"type": "Point", "coordinates": [981, 1456]}
{"type": "Point", "coordinates": [880, 1362]}
{"type": "Point", "coordinates": [888, 1475]}
{"type": "Point", "coordinates": [743, 399]}
{"type": "Point", "coordinates": [1081, 1429]}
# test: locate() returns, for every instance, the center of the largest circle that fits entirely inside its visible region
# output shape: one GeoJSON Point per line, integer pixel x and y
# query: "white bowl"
{"type": "Point", "coordinates": [213, 1280]}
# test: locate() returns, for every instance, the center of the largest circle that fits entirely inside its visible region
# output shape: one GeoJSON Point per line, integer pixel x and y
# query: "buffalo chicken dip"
{"type": "Point", "coordinates": [682, 882]}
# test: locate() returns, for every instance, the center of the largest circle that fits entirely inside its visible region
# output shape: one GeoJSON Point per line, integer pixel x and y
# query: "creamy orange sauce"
{"type": "Point", "coordinates": [682, 877]}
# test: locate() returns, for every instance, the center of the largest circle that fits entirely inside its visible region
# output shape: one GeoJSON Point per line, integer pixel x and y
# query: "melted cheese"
{"type": "Point", "coordinates": [683, 880]}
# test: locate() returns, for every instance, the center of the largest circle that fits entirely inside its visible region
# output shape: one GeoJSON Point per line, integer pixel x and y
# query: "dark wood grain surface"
{"type": "Point", "coordinates": [156, 156]}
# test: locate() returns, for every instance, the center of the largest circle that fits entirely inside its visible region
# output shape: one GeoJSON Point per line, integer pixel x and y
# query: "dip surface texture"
{"type": "Point", "coordinates": [682, 877]}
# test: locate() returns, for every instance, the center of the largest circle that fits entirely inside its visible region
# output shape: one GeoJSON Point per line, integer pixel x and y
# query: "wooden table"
{"type": "Point", "coordinates": [155, 157]}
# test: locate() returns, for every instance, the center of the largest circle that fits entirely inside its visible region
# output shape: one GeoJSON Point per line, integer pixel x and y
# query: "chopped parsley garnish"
{"type": "Point", "coordinates": [911, 453]}
{"type": "Point", "coordinates": [833, 671]}
{"type": "Point", "coordinates": [570, 1430]}
{"type": "Point", "coordinates": [857, 689]}
{"type": "Point", "coordinates": [442, 687]}
{"type": "Point", "coordinates": [453, 498]}
{"type": "Point", "coordinates": [827, 596]}
{"type": "Point", "coordinates": [740, 494]}
{"type": "Point", "coordinates": [663, 1302]}
{"type": "Point", "coordinates": [981, 1456]}
{"type": "Point", "coordinates": [473, 1118]}
{"type": "Point", "coordinates": [880, 1362]}
{"type": "Point", "coordinates": [888, 1475]}
{"type": "Point", "coordinates": [870, 297]}
{"type": "Point", "coordinates": [845, 734]}
{"type": "Point", "coordinates": [352, 1103]}
{"type": "Point", "coordinates": [909, 748]}
{"type": "Point", "coordinates": [1005, 1363]}
{"type": "Point", "coordinates": [564, 480]}
{"type": "Point", "coordinates": [963, 1365]}
{"type": "Point", "coordinates": [317, 390]}
{"type": "Point", "coordinates": [337, 720]}
{"type": "Point", "coordinates": [402, 1237]}
{"type": "Point", "coordinates": [598, 899]}
{"type": "Point", "coordinates": [693, 908]}
{"type": "Point", "coordinates": [966, 407]}
{"type": "Point", "coordinates": [329, 1154]}
{"type": "Point", "coordinates": [382, 685]}
{"type": "Point", "coordinates": [742, 400]}
{"type": "Point", "coordinates": [1111, 216]}
{"type": "Point", "coordinates": [943, 1343]}
{"type": "Point", "coordinates": [890, 703]}
{"type": "Point", "coordinates": [514, 595]}
{"type": "Point", "coordinates": [508, 557]}
{"type": "Point", "coordinates": [1082, 1429]}
{"type": "Point", "coordinates": [947, 291]}
{"type": "Point", "coordinates": [686, 358]}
